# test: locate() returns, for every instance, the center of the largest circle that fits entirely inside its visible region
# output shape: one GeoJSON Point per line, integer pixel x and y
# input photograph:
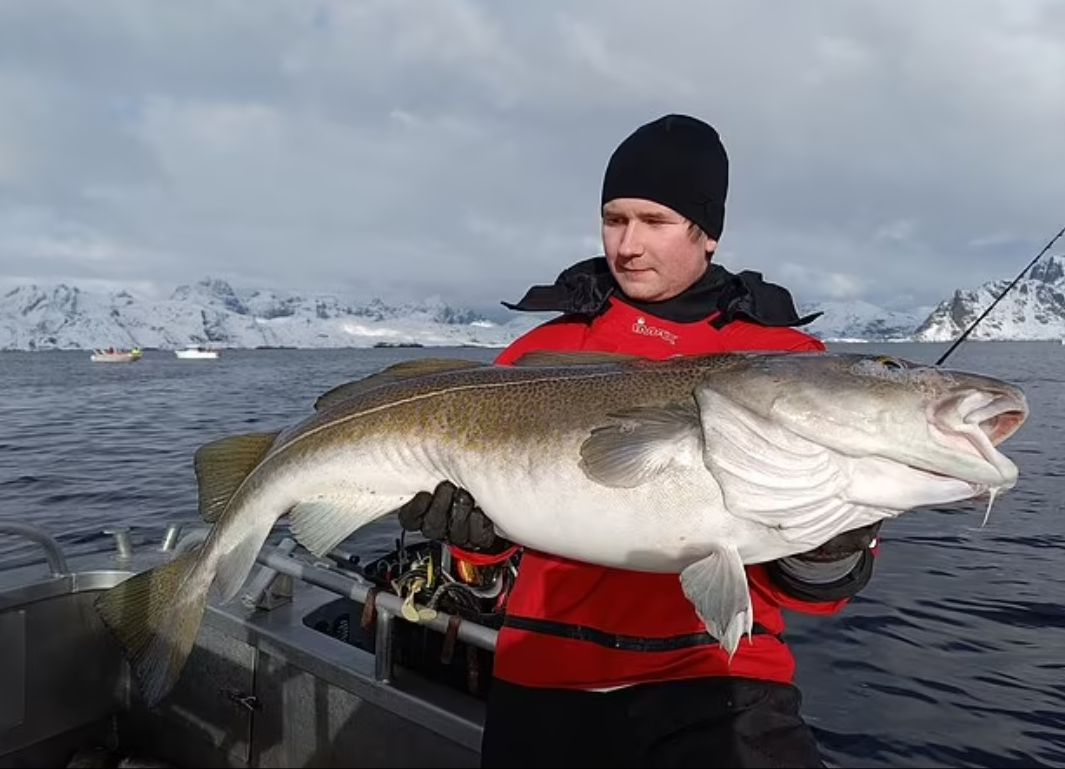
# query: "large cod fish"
{"type": "Point", "coordinates": [694, 465]}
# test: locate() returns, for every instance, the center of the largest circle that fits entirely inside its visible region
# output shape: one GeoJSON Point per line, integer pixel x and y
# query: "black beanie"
{"type": "Point", "coordinates": [677, 161]}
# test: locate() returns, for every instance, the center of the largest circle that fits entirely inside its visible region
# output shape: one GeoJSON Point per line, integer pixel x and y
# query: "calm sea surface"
{"type": "Point", "coordinates": [953, 656]}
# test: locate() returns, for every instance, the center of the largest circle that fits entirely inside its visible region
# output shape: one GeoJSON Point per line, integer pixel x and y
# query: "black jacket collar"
{"type": "Point", "coordinates": [586, 287]}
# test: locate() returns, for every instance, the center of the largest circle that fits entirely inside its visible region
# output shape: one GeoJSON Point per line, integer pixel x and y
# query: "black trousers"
{"type": "Point", "coordinates": [704, 722]}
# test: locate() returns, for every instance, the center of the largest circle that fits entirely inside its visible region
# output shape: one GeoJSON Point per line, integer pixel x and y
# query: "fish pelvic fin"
{"type": "Point", "coordinates": [222, 465]}
{"type": "Point", "coordinates": [156, 616]}
{"type": "Point", "coordinates": [717, 587]}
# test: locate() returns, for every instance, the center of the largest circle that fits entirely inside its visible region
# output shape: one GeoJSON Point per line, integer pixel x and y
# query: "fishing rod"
{"type": "Point", "coordinates": [1005, 291]}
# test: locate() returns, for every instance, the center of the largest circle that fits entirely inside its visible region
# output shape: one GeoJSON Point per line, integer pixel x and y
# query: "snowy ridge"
{"type": "Point", "coordinates": [212, 313]}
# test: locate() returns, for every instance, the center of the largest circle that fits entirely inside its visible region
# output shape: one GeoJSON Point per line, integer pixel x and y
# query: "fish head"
{"type": "Point", "coordinates": [896, 434]}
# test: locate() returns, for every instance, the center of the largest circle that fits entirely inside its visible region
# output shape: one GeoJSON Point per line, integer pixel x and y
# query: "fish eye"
{"type": "Point", "coordinates": [883, 367]}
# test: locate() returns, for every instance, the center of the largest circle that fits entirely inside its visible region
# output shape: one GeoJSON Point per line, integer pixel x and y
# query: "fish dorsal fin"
{"type": "Point", "coordinates": [546, 358]}
{"type": "Point", "coordinates": [410, 369]}
{"type": "Point", "coordinates": [222, 465]}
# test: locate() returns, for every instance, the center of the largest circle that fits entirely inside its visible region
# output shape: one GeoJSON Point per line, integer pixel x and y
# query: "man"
{"type": "Point", "coordinates": [599, 666]}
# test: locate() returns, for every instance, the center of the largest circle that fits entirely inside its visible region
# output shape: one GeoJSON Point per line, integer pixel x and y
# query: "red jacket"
{"type": "Point", "coordinates": [604, 602]}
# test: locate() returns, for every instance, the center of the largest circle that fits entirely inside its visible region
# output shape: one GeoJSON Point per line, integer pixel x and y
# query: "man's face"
{"type": "Point", "coordinates": [651, 250]}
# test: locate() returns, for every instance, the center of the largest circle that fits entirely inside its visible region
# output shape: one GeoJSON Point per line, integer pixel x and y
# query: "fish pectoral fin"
{"type": "Point", "coordinates": [399, 372]}
{"type": "Point", "coordinates": [644, 442]}
{"type": "Point", "coordinates": [323, 522]}
{"type": "Point", "coordinates": [222, 465]}
{"type": "Point", "coordinates": [717, 587]}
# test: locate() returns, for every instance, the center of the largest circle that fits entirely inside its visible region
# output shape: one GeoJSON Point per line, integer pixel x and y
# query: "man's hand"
{"type": "Point", "coordinates": [449, 513]}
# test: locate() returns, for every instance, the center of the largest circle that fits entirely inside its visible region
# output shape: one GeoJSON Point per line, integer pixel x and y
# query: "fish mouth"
{"type": "Point", "coordinates": [974, 423]}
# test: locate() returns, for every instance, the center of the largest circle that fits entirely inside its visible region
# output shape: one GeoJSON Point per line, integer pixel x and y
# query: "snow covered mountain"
{"type": "Point", "coordinates": [861, 321]}
{"type": "Point", "coordinates": [212, 313]}
{"type": "Point", "coordinates": [1033, 309]}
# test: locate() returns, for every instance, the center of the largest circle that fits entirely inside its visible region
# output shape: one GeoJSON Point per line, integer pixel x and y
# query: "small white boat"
{"type": "Point", "coordinates": [196, 353]}
{"type": "Point", "coordinates": [111, 355]}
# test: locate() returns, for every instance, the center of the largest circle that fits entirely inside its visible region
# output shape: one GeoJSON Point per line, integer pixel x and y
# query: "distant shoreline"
{"type": "Point", "coordinates": [424, 346]}
{"type": "Point", "coordinates": [269, 347]}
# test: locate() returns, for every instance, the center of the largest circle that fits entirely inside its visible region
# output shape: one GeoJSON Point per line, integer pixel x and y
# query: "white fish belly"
{"type": "Point", "coordinates": [539, 499]}
{"type": "Point", "coordinates": [663, 525]}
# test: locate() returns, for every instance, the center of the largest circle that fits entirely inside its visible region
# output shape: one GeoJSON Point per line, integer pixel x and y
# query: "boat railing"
{"type": "Point", "coordinates": [280, 560]}
{"type": "Point", "coordinates": [53, 551]}
{"type": "Point", "coordinates": [388, 607]}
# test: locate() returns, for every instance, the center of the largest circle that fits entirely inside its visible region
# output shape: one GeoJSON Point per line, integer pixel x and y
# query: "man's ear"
{"type": "Point", "coordinates": [711, 247]}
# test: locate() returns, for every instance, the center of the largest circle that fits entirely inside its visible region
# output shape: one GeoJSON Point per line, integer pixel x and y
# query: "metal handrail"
{"type": "Point", "coordinates": [389, 607]}
{"type": "Point", "coordinates": [471, 632]}
{"type": "Point", "coordinates": [57, 562]}
{"type": "Point", "coordinates": [386, 603]}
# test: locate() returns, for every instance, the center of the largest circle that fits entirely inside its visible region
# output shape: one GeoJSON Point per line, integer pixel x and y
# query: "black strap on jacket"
{"type": "Point", "coordinates": [584, 289]}
{"type": "Point", "coordinates": [621, 642]}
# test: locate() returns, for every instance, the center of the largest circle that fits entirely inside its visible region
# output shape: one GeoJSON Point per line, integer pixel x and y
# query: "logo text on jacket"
{"type": "Point", "coordinates": [641, 326]}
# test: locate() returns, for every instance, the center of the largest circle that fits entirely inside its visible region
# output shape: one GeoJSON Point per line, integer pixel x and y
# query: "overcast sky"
{"type": "Point", "coordinates": [889, 151]}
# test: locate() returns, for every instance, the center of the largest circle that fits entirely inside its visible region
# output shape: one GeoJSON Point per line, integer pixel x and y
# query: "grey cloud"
{"type": "Point", "coordinates": [888, 150]}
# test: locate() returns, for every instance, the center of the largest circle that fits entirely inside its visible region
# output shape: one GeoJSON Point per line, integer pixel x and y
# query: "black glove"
{"type": "Point", "coordinates": [450, 514]}
{"type": "Point", "coordinates": [845, 544]}
{"type": "Point", "coordinates": [840, 568]}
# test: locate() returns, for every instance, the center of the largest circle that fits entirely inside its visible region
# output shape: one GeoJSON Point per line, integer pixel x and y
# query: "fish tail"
{"type": "Point", "coordinates": [156, 615]}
